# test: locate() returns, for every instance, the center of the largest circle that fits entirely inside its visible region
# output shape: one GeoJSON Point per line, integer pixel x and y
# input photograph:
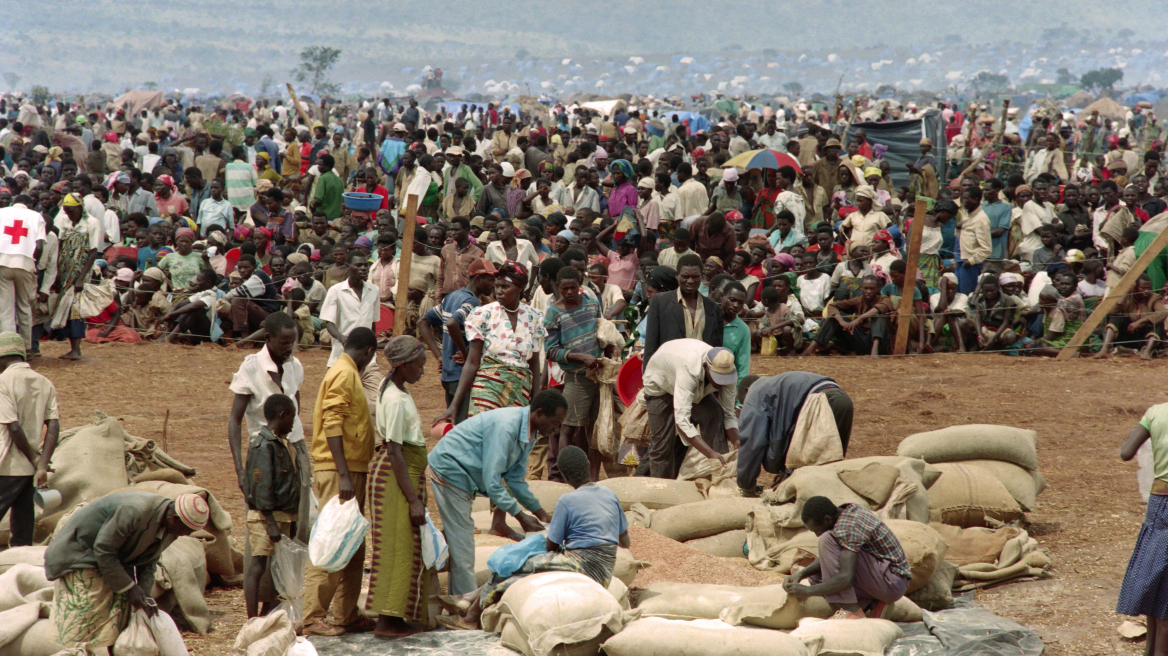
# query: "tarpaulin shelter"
{"type": "Point", "coordinates": [135, 101]}
{"type": "Point", "coordinates": [903, 139]}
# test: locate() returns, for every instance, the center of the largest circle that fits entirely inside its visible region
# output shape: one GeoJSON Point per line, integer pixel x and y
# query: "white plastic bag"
{"type": "Point", "coordinates": [338, 533]}
{"type": "Point", "coordinates": [138, 638]}
{"type": "Point", "coordinates": [1146, 472]}
{"type": "Point", "coordinates": [167, 636]}
{"type": "Point", "coordinates": [434, 551]}
{"type": "Point", "coordinates": [301, 647]}
{"type": "Point", "coordinates": [288, 561]}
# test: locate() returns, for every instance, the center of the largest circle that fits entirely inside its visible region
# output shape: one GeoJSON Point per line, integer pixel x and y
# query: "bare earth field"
{"type": "Point", "coordinates": [1088, 517]}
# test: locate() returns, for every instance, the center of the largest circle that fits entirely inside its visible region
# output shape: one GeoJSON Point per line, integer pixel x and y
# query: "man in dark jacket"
{"type": "Point", "coordinates": [685, 314]}
{"type": "Point", "coordinates": [103, 561]}
{"type": "Point", "coordinates": [771, 407]}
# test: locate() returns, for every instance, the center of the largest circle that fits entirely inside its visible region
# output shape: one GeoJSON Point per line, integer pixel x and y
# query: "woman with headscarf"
{"type": "Point", "coordinates": [726, 196]}
{"type": "Point", "coordinates": [884, 253]}
{"type": "Point", "coordinates": [710, 268]}
{"type": "Point", "coordinates": [516, 195]}
{"type": "Point", "coordinates": [503, 342]}
{"type": "Point", "coordinates": [399, 579]}
{"type": "Point", "coordinates": [112, 148]}
{"type": "Point", "coordinates": [170, 202]}
{"type": "Point", "coordinates": [623, 193]}
{"type": "Point", "coordinates": [184, 264]}
{"type": "Point", "coordinates": [850, 181]}
{"type": "Point", "coordinates": [263, 164]}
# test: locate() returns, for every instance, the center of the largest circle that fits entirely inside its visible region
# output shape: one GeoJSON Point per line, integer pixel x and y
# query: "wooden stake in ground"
{"type": "Point", "coordinates": [165, 421]}
{"type": "Point", "coordinates": [905, 312]}
{"type": "Point", "coordinates": [401, 300]}
{"type": "Point", "coordinates": [299, 109]}
{"type": "Point", "coordinates": [1119, 291]}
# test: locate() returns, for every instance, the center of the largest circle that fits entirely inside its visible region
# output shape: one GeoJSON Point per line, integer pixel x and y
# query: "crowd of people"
{"type": "Point", "coordinates": [547, 250]}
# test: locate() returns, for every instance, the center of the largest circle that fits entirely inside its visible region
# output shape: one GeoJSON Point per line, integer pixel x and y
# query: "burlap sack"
{"type": "Point", "coordinates": [1024, 485]}
{"type": "Point", "coordinates": [702, 519]}
{"type": "Point", "coordinates": [27, 555]}
{"type": "Point", "coordinates": [89, 462]}
{"type": "Point", "coordinates": [32, 632]}
{"type": "Point", "coordinates": [725, 545]}
{"type": "Point", "coordinates": [653, 493]}
{"type": "Point", "coordinates": [768, 528]}
{"type": "Point", "coordinates": [555, 612]}
{"type": "Point", "coordinates": [870, 637]}
{"type": "Point", "coordinates": [180, 580]}
{"type": "Point", "coordinates": [937, 594]}
{"type": "Point", "coordinates": [692, 601]}
{"type": "Point", "coordinates": [974, 442]}
{"type": "Point", "coordinates": [24, 584]}
{"type": "Point", "coordinates": [914, 470]}
{"type": "Point", "coordinates": [923, 547]}
{"type": "Point", "coordinates": [815, 440]}
{"type": "Point", "coordinates": [606, 429]}
{"type": "Point", "coordinates": [809, 482]}
{"type": "Point", "coordinates": [627, 566]}
{"type": "Point", "coordinates": [974, 545]}
{"type": "Point", "coordinates": [660, 637]}
{"type": "Point", "coordinates": [634, 422]}
{"type": "Point", "coordinates": [874, 482]}
{"type": "Point", "coordinates": [265, 636]}
{"type": "Point", "coordinates": [966, 495]}
{"type": "Point", "coordinates": [547, 492]}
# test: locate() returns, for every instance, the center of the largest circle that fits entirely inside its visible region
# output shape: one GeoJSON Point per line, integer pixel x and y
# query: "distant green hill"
{"type": "Point", "coordinates": [111, 45]}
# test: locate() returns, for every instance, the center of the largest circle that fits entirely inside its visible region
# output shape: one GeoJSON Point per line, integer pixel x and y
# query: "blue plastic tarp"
{"type": "Point", "coordinates": [1026, 123]}
{"type": "Point", "coordinates": [903, 139]}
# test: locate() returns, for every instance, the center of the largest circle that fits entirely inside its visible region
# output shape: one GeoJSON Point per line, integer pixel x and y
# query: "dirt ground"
{"type": "Point", "coordinates": [1088, 517]}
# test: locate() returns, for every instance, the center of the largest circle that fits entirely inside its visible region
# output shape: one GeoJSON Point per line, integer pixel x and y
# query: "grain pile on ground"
{"type": "Point", "coordinates": [674, 561]}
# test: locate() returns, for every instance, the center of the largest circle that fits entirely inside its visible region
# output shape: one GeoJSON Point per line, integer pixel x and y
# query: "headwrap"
{"type": "Point", "coordinates": [515, 272]}
{"type": "Point", "coordinates": [878, 151]}
{"type": "Point", "coordinates": [154, 220]}
{"type": "Point", "coordinates": [886, 237]}
{"type": "Point", "coordinates": [520, 176]}
{"type": "Point", "coordinates": [363, 242]}
{"type": "Point", "coordinates": [111, 136]}
{"type": "Point", "coordinates": [264, 156]}
{"type": "Point", "coordinates": [1020, 188]}
{"type": "Point", "coordinates": [568, 235]}
{"type": "Point", "coordinates": [242, 232]}
{"type": "Point", "coordinates": [698, 153]}
{"type": "Point", "coordinates": [859, 160]}
{"type": "Point", "coordinates": [759, 240]}
{"type": "Point", "coordinates": [1006, 278]}
{"type": "Point", "coordinates": [873, 171]}
{"type": "Point", "coordinates": [262, 185]}
{"type": "Point", "coordinates": [297, 258]}
{"type": "Point", "coordinates": [625, 167]}
{"type": "Point", "coordinates": [154, 273]}
{"type": "Point", "coordinates": [71, 200]}
{"type": "Point", "coordinates": [314, 255]}
{"type": "Point", "coordinates": [733, 215]}
{"type": "Point", "coordinates": [54, 154]}
{"type": "Point", "coordinates": [546, 166]}
{"type": "Point", "coordinates": [716, 260]}
{"type": "Point", "coordinates": [265, 231]}
{"type": "Point", "coordinates": [184, 232]}
{"type": "Point", "coordinates": [663, 278]}
{"type": "Point", "coordinates": [400, 350]}
{"type": "Point", "coordinates": [785, 259]}
{"type": "Point", "coordinates": [11, 343]}
{"type": "Point", "coordinates": [168, 181]}
{"type": "Point", "coordinates": [58, 187]}
{"type": "Point", "coordinates": [866, 191]}
{"type": "Point", "coordinates": [951, 277]}
{"type": "Point", "coordinates": [125, 274]}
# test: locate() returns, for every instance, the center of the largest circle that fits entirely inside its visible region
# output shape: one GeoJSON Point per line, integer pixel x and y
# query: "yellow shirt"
{"type": "Point", "coordinates": [341, 409]}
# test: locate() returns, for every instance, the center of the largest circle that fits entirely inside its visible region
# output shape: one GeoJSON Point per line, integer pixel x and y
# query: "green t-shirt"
{"type": "Point", "coordinates": [1156, 421]}
{"type": "Point", "coordinates": [736, 337]}
{"type": "Point", "coordinates": [329, 189]}
{"type": "Point", "coordinates": [182, 268]}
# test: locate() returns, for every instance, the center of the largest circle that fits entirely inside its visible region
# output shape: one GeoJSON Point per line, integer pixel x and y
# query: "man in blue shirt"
{"type": "Point", "coordinates": [451, 314]}
{"type": "Point", "coordinates": [999, 213]}
{"type": "Point", "coordinates": [487, 455]}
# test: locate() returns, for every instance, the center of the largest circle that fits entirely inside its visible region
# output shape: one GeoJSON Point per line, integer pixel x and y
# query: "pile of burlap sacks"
{"type": "Point", "coordinates": [955, 498]}
{"type": "Point", "coordinates": [92, 461]}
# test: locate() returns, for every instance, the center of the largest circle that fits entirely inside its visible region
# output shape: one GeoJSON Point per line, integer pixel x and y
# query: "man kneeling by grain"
{"type": "Point", "coordinates": [861, 568]}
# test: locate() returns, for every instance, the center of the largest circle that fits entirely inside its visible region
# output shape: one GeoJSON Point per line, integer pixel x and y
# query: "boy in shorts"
{"type": "Point", "coordinates": [272, 494]}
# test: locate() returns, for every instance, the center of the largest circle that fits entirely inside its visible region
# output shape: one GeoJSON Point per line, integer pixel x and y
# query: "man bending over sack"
{"type": "Point", "coordinates": [587, 527]}
{"type": "Point", "coordinates": [861, 566]}
{"type": "Point", "coordinates": [103, 561]}
{"type": "Point", "coordinates": [796, 416]}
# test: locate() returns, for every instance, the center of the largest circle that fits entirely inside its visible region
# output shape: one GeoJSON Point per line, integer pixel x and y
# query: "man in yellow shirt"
{"type": "Point", "coordinates": [342, 446]}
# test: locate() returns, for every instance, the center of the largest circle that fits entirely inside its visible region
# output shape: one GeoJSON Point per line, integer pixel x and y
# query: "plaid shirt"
{"type": "Point", "coordinates": [860, 529]}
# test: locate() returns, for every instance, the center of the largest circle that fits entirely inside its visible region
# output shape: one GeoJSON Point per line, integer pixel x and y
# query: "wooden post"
{"type": "Point", "coordinates": [1119, 291]}
{"type": "Point", "coordinates": [905, 311]}
{"type": "Point", "coordinates": [401, 300]}
{"type": "Point", "coordinates": [992, 146]}
{"type": "Point", "coordinates": [299, 110]}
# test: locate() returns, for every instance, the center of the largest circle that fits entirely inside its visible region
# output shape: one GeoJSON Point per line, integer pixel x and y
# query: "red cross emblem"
{"type": "Point", "coordinates": [16, 231]}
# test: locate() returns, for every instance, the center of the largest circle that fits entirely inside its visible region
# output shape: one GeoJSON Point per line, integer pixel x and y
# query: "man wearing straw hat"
{"type": "Point", "coordinates": [103, 560]}
{"type": "Point", "coordinates": [28, 406]}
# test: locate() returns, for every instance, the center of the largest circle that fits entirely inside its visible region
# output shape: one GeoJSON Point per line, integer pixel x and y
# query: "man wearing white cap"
{"type": "Point", "coordinates": [458, 169]}
{"type": "Point", "coordinates": [103, 560]}
{"type": "Point", "coordinates": [688, 383]}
